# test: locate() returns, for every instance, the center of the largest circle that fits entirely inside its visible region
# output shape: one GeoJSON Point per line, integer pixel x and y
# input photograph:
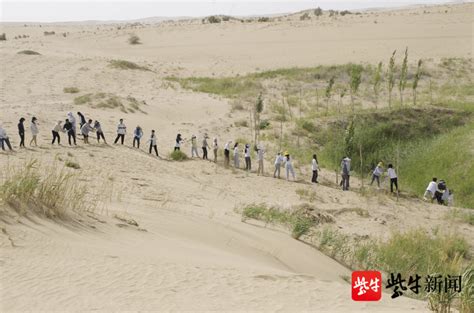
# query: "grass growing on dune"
{"type": "Point", "coordinates": [127, 65]}
{"type": "Point", "coordinates": [28, 52]}
{"type": "Point", "coordinates": [51, 192]}
{"type": "Point", "coordinates": [70, 90]}
{"type": "Point", "coordinates": [178, 155]}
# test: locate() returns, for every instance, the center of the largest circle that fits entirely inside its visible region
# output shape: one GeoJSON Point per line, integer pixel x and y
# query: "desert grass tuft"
{"type": "Point", "coordinates": [178, 155]}
{"type": "Point", "coordinates": [127, 65]}
{"type": "Point", "coordinates": [28, 52]}
{"type": "Point", "coordinates": [70, 90]}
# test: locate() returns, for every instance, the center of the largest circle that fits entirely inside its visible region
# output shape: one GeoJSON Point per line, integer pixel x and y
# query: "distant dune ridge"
{"type": "Point", "coordinates": [156, 234]}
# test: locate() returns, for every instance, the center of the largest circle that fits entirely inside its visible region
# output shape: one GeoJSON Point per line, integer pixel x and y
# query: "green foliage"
{"type": "Point", "coordinates": [213, 19]}
{"type": "Point", "coordinates": [403, 76]}
{"type": "Point", "coordinates": [416, 79]}
{"type": "Point", "coordinates": [178, 155]}
{"type": "Point", "coordinates": [72, 164]}
{"type": "Point", "coordinates": [391, 77]}
{"type": "Point", "coordinates": [377, 81]}
{"type": "Point", "coordinates": [127, 65]}
{"type": "Point", "coordinates": [264, 124]}
{"type": "Point", "coordinates": [356, 79]}
{"type": "Point", "coordinates": [70, 90]}
{"type": "Point", "coordinates": [134, 40]}
{"type": "Point", "coordinates": [329, 87]}
{"type": "Point", "coordinates": [318, 11]}
{"type": "Point", "coordinates": [28, 52]}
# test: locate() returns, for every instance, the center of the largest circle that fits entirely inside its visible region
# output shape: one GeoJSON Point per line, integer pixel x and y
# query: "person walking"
{"type": "Point", "coordinates": [227, 153]}
{"type": "Point", "coordinates": [177, 145]}
{"type": "Point", "coordinates": [99, 132]}
{"type": "Point", "coordinates": [378, 171]}
{"type": "Point", "coordinates": [236, 155]}
{"type": "Point", "coordinates": [82, 120]}
{"type": "Point", "coordinates": [278, 162]}
{"type": "Point", "coordinates": [152, 142]}
{"type": "Point", "coordinates": [248, 161]}
{"type": "Point", "coordinates": [137, 135]}
{"type": "Point", "coordinates": [72, 120]}
{"type": "Point", "coordinates": [315, 169]}
{"type": "Point", "coordinates": [85, 129]}
{"type": "Point", "coordinates": [21, 132]}
{"type": "Point", "coordinates": [260, 158]}
{"type": "Point", "coordinates": [34, 130]}
{"type": "Point", "coordinates": [4, 139]}
{"type": "Point", "coordinates": [205, 146]}
{"type": "Point", "coordinates": [393, 178]}
{"type": "Point", "coordinates": [56, 130]}
{"type": "Point", "coordinates": [68, 128]}
{"type": "Point", "coordinates": [345, 173]}
{"type": "Point", "coordinates": [289, 167]}
{"type": "Point", "coordinates": [194, 149]}
{"type": "Point", "coordinates": [214, 149]}
{"type": "Point", "coordinates": [121, 131]}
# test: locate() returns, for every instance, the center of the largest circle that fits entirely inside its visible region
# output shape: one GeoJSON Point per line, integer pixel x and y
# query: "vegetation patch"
{"type": "Point", "coordinates": [71, 90]}
{"type": "Point", "coordinates": [134, 40]}
{"type": "Point", "coordinates": [103, 100]}
{"type": "Point", "coordinates": [52, 193]}
{"type": "Point", "coordinates": [72, 164]}
{"type": "Point", "coordinates": [127, 65]}
{"type": "Point", "coordinates": [28, 52]}
{"type": "Point", "coordinates": [178, 155]}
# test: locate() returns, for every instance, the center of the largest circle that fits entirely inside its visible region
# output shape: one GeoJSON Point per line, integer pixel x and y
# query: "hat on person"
{"type": "Point", "coordinates": [287, 153]}
{"type": "Point", "coordinates": [380, 164]}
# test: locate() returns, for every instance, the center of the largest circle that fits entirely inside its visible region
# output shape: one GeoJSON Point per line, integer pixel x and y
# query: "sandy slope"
{"type": "Point", "coordinates": [195, 254]}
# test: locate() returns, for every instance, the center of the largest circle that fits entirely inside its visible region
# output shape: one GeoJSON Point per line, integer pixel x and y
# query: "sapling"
{"type": "Point", "coordinates": [391, 78]}
{"type": "Point", "coordinates": [403, 76]}
{"type": "Point", "coordinates": [377, 82]}
{"type": "Point", "coordinates": [257, 112]}
{"type": "Point", "coordinates": [416, 79]}
{"type": "Point", "coordinates": [355, 73]}
{"type": "Point", "coordinates": [328, 92]}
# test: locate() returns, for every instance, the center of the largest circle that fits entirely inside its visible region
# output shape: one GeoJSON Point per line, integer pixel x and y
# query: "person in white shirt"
{"type": "Point", "coordinates": [56, 130]}
{"type": "Point", "coordinates": [214, 149]}
{"type": "Point", "coordinates": [248, 160]}
{"type": "Point", "coordinates": [378, 171]}
{"type": "Point", "coordinates": [289, 167]}
{"type": "Point", "coordinates": [99, 132]}
{"type": "Point", "coordinates": [152, 142]}
{"type": "Point", "coordinates": [260, 157]}
{"type": "Point", "coordinates": [85, 129]}
{"type": "Point", "coordinates": [194, 148]}
{"type": "Point", "coordinates": [431, 190]}
{"type": "Point", "coordinates": [227, 153]}
{"type": "Point", "coordinates": [121, 131]}
{"type": "Point", "coordinates": [393, 177]}
{"type": "Point", "coordinates": [4, 139]}
{"type": "Point", "coordinates": [137, 135]}
{"type": "Point", "coordinates": [34, 130]}
{"type": "Point", "coordinates": [236, 155]}
{"type": "Point", "coordinates": [315, 168]}
{"type": "Point", "coordinates": [278, 162]}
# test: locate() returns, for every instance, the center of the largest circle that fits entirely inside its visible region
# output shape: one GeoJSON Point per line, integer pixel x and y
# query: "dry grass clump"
{"type": "Point", "coordinates": [134, 40]}
{"type": "Point", "coordinates": [178, 155]}
{"type": "Point", "coordinates": [50, 192]}
{"type": "Point", "coordinates": [28, 52]}
{"type": "Point", "coordinates": [127, 65]}
{"type": "Point", "coordinates": [71, 90]}
{"type": "Point", "coordinates": [3, 36]}
{"type": "Point", "coordinates": [110, 101]}
{"type": "Point", "coordinates": [49, 33]}
{"type": "Point", "coordinates": [72, 164]}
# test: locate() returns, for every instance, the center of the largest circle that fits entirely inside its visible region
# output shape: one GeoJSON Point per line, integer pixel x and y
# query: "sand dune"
{"type": "Point", "coordinates": [191, 251]}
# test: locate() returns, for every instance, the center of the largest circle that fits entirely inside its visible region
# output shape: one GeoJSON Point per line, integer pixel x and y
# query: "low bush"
{"type": "Point", "coordinates": [49, 33]}
{"type": "Point", "coordinates": [134, 40]}
{"type": "Point", "coordinates": [72, 164]}
{"type": "Point", "coordinates": [178, 155]}
{"type": "Point", "coordinates": [127, 65]}
{"type": "Point", "coordinates": [3, 36]}
{"type": "Point", "coordinates": [28, 52]}
{"type": "Point", "coordinates": [213, 19]}
{"type": "Point", "coordinates": [70, 90]}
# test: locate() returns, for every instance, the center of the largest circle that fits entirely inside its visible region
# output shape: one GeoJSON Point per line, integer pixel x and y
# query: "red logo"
{"type": "Point", "coordinates": [366, 286]}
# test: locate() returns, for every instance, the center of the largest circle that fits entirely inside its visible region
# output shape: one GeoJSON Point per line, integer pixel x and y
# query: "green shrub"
{"type": "Point", "coordinates": [52, 193]}
{"type": "Point", "coordinates": [134, 40]}
{"type": "Point", "coordinates": [213, 19]}
{"type": "Point", "coordinates": [73, 165]}
{"type": "Point", "coordinates": [71, 90]}
{"type": "Point", "coordinates": [83, 99]}
{"type": "Point", "coordinates": [305, 17]}
{"type": "Point", "coordinates": [28, 52]}
{"type": "Point", "coordinates": [264, 124]}
{"type": "Point", "coordinates": [241, 123]}
{"type": "Point", "coordinates": [178, 155]}
{"type": "Point", "coordinates": [127, 65]}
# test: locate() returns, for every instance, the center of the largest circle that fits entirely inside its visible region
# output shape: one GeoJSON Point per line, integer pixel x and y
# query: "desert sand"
{"type": "Point", "coordinates": [191, 251]}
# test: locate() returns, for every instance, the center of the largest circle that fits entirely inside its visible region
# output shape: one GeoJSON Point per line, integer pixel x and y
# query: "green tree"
{"type": "Point", "coordinates": [280, 114]}
{"type": "Point", "coordinates": [403, 76]}
{"type": "Point", "coordinates": [377, 81]}
{"type": "Point", "coordinates": [328, 92]}
{"type": "Point", "coordinates": [416, 79]}
{"type": "Point", "coordinates": [391, 77]}
{"type": "Point", "coordinates": [258, 109]}
{"type": "Point", "coordinates": [356, 79]}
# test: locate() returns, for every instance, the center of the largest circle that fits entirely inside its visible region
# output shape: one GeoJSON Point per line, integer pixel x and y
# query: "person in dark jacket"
{"type": "Point", "coordinates": [21, 132]}
{"type": "Point", "coordinates": [69, 129]}
{"type": "Point", "coordinates": [179, 140]}
{"type": "Point", "coordinates": [83, 120]}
